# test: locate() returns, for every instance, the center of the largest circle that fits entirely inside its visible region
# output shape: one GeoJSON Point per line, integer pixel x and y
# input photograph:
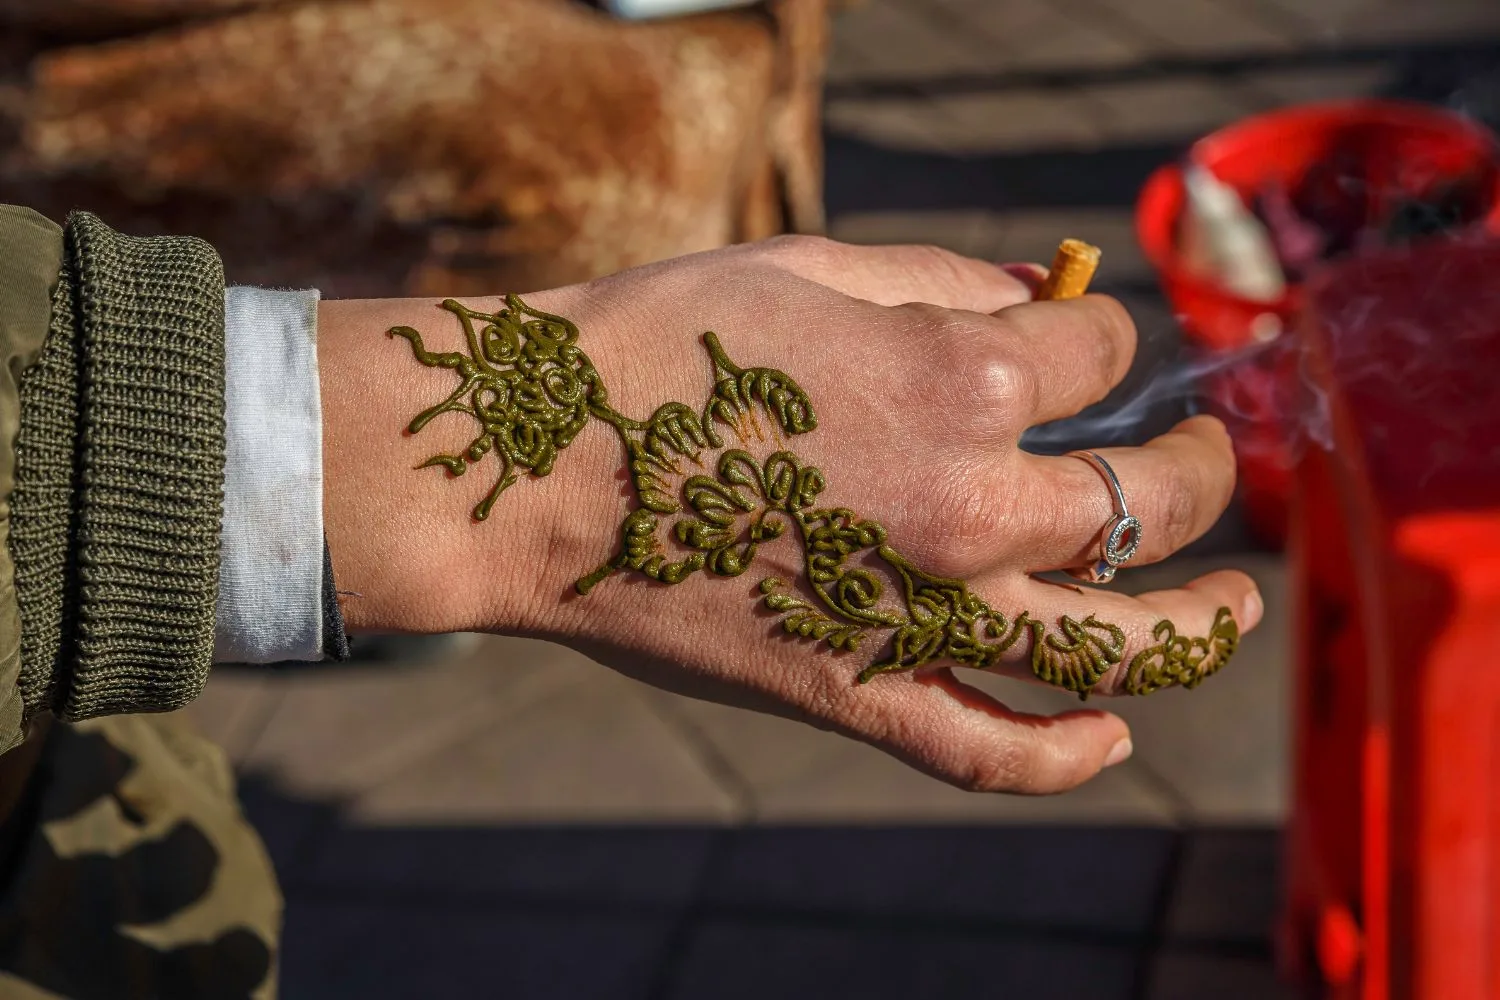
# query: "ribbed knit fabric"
{"type": "Point", "coordinates": [119, 478]}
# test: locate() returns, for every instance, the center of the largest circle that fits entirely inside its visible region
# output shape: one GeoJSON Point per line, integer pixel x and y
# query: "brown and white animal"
{"type": "Point", "coordinates": [424, 147]}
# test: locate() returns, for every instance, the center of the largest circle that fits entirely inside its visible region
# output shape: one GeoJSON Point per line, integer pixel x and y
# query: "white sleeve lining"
{"type": "Point", "coordinates": [271, 575]}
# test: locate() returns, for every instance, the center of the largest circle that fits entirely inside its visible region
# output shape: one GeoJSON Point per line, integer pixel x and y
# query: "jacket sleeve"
{"type": "Point", "coordinates": [31, 249]}
{"type": "Point", "coordinates": [113, 463]}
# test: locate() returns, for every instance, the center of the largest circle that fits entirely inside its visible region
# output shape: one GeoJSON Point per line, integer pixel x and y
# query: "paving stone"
{"type": "Point", "coordinates": [594, 866]}
{"type": "Point", "coordinates": [898, 40]}
{"type": "Point", "coordinates": [364, 949]}
{"type": "Point", "coordinates": [1195, 27]}
{"type": "Point", "coordinates": [1012, 120]}
{"type": "Point", "coordinates": [1272, 88]}
{"type": "Point", "coordinates": [1098, 882]}
{"type": "Point", "coordinates": [1320, 13]}
{"type": "Point", "coordinates": [730, 960]}
{"type": "Point", "coordinates": [867, 173]}
{"type": "Point", "coordinates": [1035, 34]}
{"type": "Point", "coordinates": [1397, 21]}
{"type": "Point", "coordinates": [342, 728]}
{"type": "Point", "coordinates": [797, 774]}
{"type": "Point", "coordinates": [1220, 751]}
{"type": "Point", "coordinates": [965, 232]}
{"type": "Point", "coordinates": [905, 123]}
{"type": "Point", "coordinates": [291, 827]}
{"type": "Point", "coordinates": [1227, 887]}
{"type": "Point", "coordinates": [1033, 235]}
{"type": "Point", "coordinates": [1179, 974]}
{"type": "Point", "coordinates": [1224, 746]}
{"type": "Point", "coordinates": [592, 753]}
{"type": "Point", "coordinates": [1178, 107]}
{"type": "Point", "coordinates": [861, 784]}
{"type": "Point", "coordinates": [234, 707]}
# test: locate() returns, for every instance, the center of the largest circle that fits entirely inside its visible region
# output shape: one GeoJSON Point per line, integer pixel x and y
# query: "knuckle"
{"type": "Point", "coordinates": [982, 373]}
{"type": "Point", "coordinates": [1002, 391]}
{"type": "Point", "coordinates": [793, 249]}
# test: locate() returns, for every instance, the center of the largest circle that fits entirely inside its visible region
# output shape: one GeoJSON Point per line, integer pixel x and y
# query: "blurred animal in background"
{"type": "Point", "coordinates": [416, 147]}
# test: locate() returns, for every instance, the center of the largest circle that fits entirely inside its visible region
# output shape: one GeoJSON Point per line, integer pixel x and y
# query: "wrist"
{"type": "Point", "coordinates": [408, 553]}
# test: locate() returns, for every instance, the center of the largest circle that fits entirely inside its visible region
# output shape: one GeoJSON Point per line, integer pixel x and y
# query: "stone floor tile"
{"type": "Point", "coordinates": [592, 753]}
{"type": "Point", "coordinates": [594, 866]}
{"type": "Point", "coordinates": [1227, 887]}
{"type": "Point", "coordinates": [1224, 747]}
{"type": "Point", "coordinates": [292, 828]}
{"type": "Point", "coordinates": [235, 706]}
{"type": "Point", "coordinates": [1272, 88]}
{"type": "Point", "coordinates": [1190, 27]}
{"type": "Point", "coordinates": [1185, 974]}
{"type": "Point", "coordinates": [372, 949]}
{"type": "Point", "coordinates": [1037, 35]}
{"type": "Point", "coordinates": [341, 728]}
{"type": "Point", "coordinates": [867, 173]}
{"type": "Point", "coordinates": [904, 123]}
{"type": "Point", "coordinates": [1179, 107]}
{"type": "Point", "coordinates": [792, 960]}
{"type": "Point", "coordinates": [1033, 235]}
{"type": "Point", "coordinates": [1220, 751]}
{"type": "Point", "coordinates": [1318, 13]}
{"type": "Point", "coordinates": [1395, 21]}
{"type": "Point", "coordinates": [965, 232]}
{"type": "Point", "coordinates": [859, 784]}
{"type": "Point", "coordinates": [896, 40]}
{"type": "Point", "coordinates": [1012, 121]}
{"type": "Point", "coordinates": [1102, 882]}
{"type": "Point", "coordinates": [794, 773]}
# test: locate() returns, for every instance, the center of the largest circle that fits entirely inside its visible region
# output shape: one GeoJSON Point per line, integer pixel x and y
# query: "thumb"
{"type": "Point", "coordinates": [963, 736]}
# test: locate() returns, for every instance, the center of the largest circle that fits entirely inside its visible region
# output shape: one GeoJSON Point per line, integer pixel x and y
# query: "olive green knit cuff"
{"type": "Point", "coordinates": [119, 478]}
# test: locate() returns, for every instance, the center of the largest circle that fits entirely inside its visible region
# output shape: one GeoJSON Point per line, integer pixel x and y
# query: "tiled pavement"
{"type": "Point", "coordinates": [519, 822]}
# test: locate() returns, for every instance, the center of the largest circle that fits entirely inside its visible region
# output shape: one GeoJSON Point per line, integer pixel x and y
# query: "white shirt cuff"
{"type": "Point", "coordinates": [271, 571]}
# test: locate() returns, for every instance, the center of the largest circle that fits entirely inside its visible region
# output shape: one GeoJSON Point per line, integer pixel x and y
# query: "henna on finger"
{"type": "Point", "coordinates": [715, 483]}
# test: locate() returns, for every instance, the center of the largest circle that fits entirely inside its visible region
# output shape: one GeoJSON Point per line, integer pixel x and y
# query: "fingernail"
{"type": "Point", "coordinates": [1119, 752]}
{"type": "Point", "coordinates": [1251, 613]}
{"type": "Point", "coordinates": [1030, 275]}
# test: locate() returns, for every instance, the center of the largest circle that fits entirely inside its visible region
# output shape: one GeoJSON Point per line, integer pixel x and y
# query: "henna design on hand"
{"type": "Point", "coordinates": [707, 504]}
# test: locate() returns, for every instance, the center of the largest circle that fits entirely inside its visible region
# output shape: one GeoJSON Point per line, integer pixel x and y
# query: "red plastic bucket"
{"type": "Point", "coordinates": [1354, 161]}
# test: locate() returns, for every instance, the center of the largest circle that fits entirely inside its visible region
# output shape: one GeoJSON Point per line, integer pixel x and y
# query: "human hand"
{"type": "Point", "coordinates": [844, 467]}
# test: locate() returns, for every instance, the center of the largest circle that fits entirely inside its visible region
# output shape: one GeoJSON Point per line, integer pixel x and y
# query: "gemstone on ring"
{"type": "Point", "coordinates": [1122, 533]}
{"type": "Point", "coordinates": [1123, 539]}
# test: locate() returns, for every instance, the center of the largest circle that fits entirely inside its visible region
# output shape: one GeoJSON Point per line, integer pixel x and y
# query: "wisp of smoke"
{"type": "Point", "coordinates": [1118, 423]}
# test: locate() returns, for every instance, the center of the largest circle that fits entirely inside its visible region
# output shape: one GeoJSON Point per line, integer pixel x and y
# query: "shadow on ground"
{"type": "Point", "coordinates": [663, 911]}
{"type": "Point", "coordinates": [864, 176]}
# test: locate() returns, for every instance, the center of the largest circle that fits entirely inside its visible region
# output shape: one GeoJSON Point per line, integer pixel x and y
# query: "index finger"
{"type": "Point", "coordinates": [1069, 354]}
{"type": "Point", "coordinates": [896, 275]}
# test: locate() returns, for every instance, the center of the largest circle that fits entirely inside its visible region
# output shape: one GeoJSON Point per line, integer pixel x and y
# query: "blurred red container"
{"type": "Point", "coordinates": [1357, 161]}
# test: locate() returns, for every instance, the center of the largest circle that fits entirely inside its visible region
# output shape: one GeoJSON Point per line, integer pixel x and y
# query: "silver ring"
{"type": "Point", "coordinates": [1121, 535]}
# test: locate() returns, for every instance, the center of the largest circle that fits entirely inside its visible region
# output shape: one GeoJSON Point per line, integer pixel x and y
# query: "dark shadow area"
{"type": "Point", "coordinates": [689, 911]}
{"type": "Point", "coordinates": [864, 176]}
{"type": "Point", "coordinates": [1420, 63]}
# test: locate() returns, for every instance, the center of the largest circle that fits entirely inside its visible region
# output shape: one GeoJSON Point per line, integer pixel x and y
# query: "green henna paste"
{"type": "Point", "coordinates": [706, 503]}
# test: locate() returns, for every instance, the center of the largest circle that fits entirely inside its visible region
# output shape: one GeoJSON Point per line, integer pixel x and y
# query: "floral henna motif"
{"type": "Point", "coordinates": [523, 380]}
{"type": "Point", "coordinates": [708, 503]}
